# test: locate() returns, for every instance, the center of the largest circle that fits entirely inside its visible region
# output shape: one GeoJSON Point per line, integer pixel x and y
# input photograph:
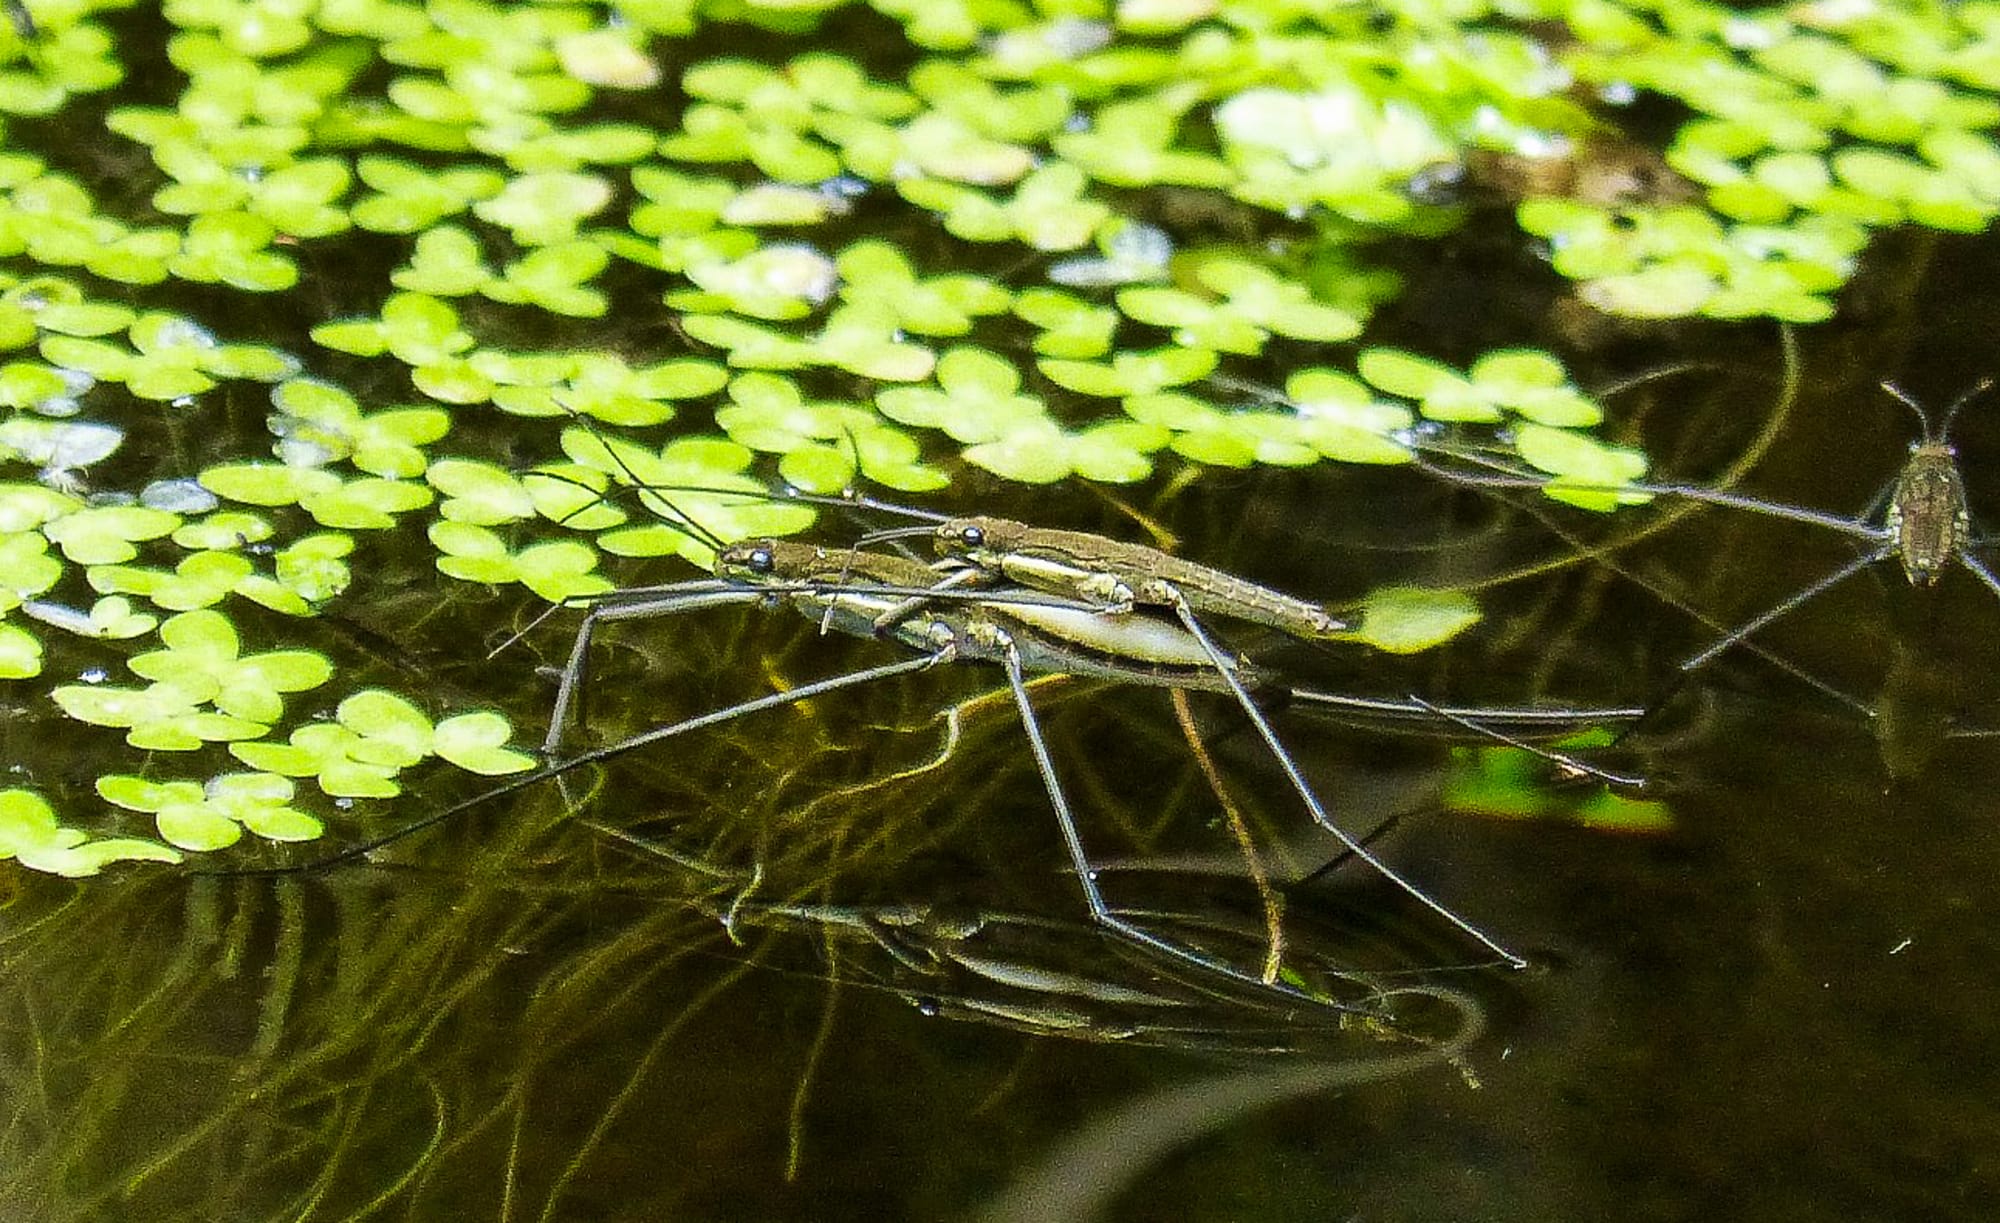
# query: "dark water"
{"type": "Point", "coordinates": [656, 997]}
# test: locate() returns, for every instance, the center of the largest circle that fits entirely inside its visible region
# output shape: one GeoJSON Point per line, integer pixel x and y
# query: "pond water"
{"type": "Point", "coordinates": [826, 961]}
{"type": "Point", "coordinates": [1778, 1009]}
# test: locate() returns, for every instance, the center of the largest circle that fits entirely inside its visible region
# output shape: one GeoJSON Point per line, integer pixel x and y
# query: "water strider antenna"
{"type": "Point", "coordinates": [1942, 437]}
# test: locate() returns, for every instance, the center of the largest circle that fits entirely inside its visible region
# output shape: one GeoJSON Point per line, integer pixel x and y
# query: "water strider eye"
{"type": "Point", "coordinates": [971, 537]}
{"type": "Point", "coordinates": [760, 560]}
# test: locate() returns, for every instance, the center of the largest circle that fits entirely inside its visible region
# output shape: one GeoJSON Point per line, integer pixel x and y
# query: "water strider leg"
{"type": "Point", "coordinates": [639, 603]}
{"type": "Point", "coordinates": [1093, 897]}
{"type": "Point", "coordinates": [1561, 760]}
{"type": "Point", "coordinates": [1791, 603]}
{"type": "Point", "coordinates": [1319, 812]}
{"type": "Point", "coordinates": [1980, 570]}
{"type": "Point", "coordinates": [598, 755]}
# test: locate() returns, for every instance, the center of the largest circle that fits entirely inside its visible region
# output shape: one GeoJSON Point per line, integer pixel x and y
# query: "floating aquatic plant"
{"type": "Point", "coordinates": [818, 271]}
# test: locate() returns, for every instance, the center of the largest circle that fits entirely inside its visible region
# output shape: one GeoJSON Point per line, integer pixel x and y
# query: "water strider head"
{"type": "Point", "coordinates": [980, 535]}
{"type": "Point", "coordinates": [762, 562]}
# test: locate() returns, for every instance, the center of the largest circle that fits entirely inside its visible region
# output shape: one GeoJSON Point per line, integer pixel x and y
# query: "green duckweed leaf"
{"type": "Point", "coordinates": [783, 281]}
{"type": "Point", "coordinates": [976, 399]}
{"type": "Point", "coordinates": [477, 743]}
{"type": "Point", "coordinates": [375, 735]}
{"type": "Point", "coordinates": [26, 568]}
{"type": "Point", "coordinates": [572, 495]}
{"type": "Point", "coordinates": [1250, 303]}
{"type": "Point", "coordinates": [482, 494]}
{"type": "Point", "coordinates": [230, 248]}
{"type": "Point", "coordinates": [1043, 452]}
{"type": "Point", "coordinates": [30, 834]}
{"type": "Point", "coordinates": [318, 422]}
{"type": "Point", "coordinates": [109, 619]}
{"type": "Point", "coordinates": [1498, 782]}
{"type": "Point", "coordinates": [202, 656]}
{"type": "Point", "coordinates": [544, 208]}
{"type": "Point", "coordinates": [1131, 144]}
{"type": "Point", "coordinates": [367, 504]}
{"type": "Point", "coordinates": [24, 507]}
{"type": "Point", "coordinates": [1584, 468]}
{"type": "Point", "coordinates": [1343, 420]}
{"type": "Point", "coordinates": [1445, 394]}
{"type": "Point", "coordinates": [609, 58]}
{"type": "Point", "coordinates": [398, 730]}
{"type": "Point", "coordinates": [553, 277]}
{"type": "Point", "coordinates": [162, 717]}
{"type": "Point", "coordinates": [20, 653]}
{"type": "Point", "coordinates": [413, 198]}
{"type": "Point", "coordinates": [876, 277]}
{"type": "Point", "coordinates": [108, 534]}
{"type": "Point", "coordinates": [268, 484]}
{"type": "Point", "coordinates": [1131, 373]}
{"type": "Point", "coordinates": [699, 480]}
{"type": "Point", "coordinates": [224, 529]}
{"type": "Point", "coordinates": [1069, 327]}
{"type": "Point", "coordinates": [750, 346]}
{"type": "Point", "coordinates": [59, 447]}
{"type": "Point", "coordinates": [312, 570]}
{"type": "Point", "coordinates": [196, 581]}
{"type": "Point", "coordinates": [555, 571]}
{"type": "Point", "coordinates": [446, 262]}
{"type": "Point", "coordinates": [772, 204]}
{"type": "Point", "coordinates": [1047, 210]}
{"type": "Point", "coordinates": [868, 343]}
{"type": "Point", "coordinates": [1407, 619]}
{"type": "Point", "coordinates": [1610, 812]}
{"type": "Point", "coordinates": [768, 413]}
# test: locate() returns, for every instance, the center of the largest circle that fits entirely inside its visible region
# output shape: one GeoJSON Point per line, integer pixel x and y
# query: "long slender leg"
{"type": "Point", "coordinates": [1411, 708]}
{"type": "Point", "coordinates": [1606, 556]}
{"type": "Point", "coordinates": [1561, 760]}
{"type": "Point", "coordinates": [1086, 874]}
{"type": "Point", "coordinates": [1792, 603]}
{"type": "Point", "coordinates": [1980, 570]}
{"type": "Point", "coordinates": [1319, 812]}
{"type": "Point", "coordinates": [1484, 723]}
{"type": "Point", "coordinates": [663, 601]}
{"type": "Point", "coordinates": [598, 755]}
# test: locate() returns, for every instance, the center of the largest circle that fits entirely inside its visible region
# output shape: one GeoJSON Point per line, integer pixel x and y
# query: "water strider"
{"type": "Point", "coordinates": [1925, 526]}
{"type": "Point", "coordinates": [1120, 576]}
{"type": "Point", "coordinates": [849, 590]}
{"type": "Point", "coordinates": [1073, 640]}
{"type": "Point", "coordinates": [1113, 577]}
{"type": "Point", "coordinates": [921, 608]}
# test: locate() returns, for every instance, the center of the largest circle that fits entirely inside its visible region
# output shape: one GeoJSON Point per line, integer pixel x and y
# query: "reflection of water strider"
{"type": "Point", "coordinates": [1057, 976]}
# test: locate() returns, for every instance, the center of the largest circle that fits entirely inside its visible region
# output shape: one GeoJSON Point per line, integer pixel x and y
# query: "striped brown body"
{"type": "Point", "coordinates": [1928, 521]}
